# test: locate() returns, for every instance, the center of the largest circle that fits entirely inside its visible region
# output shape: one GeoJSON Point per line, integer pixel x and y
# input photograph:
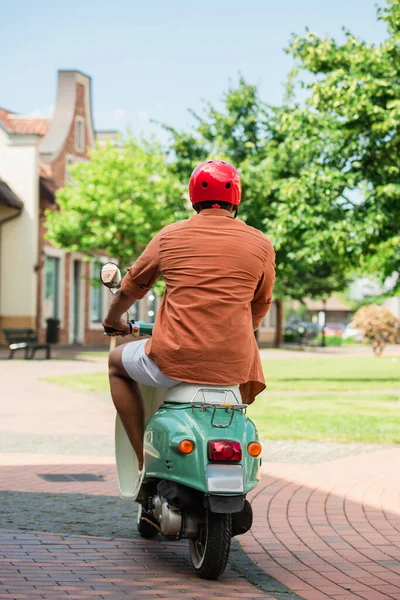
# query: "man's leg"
{"type": "Point", "coordinates": [128, 401]}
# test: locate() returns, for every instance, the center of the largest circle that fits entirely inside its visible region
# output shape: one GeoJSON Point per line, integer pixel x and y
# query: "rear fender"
{"type": "Point", "coordinates": [173, 423]}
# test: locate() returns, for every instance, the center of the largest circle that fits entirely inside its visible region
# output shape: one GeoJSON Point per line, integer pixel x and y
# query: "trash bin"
{"type": "Point", "coordinates": [52, 331]}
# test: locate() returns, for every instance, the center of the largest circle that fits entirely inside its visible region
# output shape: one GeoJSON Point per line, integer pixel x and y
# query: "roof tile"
{"type": "Point", "coordinates": [24, 125]}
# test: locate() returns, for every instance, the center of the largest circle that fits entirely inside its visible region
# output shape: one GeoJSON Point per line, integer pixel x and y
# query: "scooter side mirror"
{"type": "Point", "coordinates": [110, 276]}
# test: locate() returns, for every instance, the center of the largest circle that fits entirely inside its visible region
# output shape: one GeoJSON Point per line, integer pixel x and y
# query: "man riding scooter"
{"type": "Point", "coordinates": [219, 275]}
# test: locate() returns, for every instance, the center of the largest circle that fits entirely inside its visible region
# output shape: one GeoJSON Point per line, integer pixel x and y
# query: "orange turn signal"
{"type": "Point", "coordinates": [254, 449]}
{"type": "Point", "coordinates": [186, 446]}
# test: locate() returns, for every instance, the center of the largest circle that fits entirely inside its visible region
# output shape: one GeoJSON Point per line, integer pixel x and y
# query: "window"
{"type": "Point", "coordinates": [80, 134]}
{"type": "Point", "coordinates": [51, 287]}
{"type": "Point", "coordinates": [134, 312]}
{"type": "Point", "coordinates": [96, 312]}
{"type": "Point", "coordinates": [269, 321]}
{"type": "Point", "coordinates": [151, 307]}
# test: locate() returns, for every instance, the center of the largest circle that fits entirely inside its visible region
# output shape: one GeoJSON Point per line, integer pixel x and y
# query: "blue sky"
{"type": "Point", "coordinates": [153, 60]}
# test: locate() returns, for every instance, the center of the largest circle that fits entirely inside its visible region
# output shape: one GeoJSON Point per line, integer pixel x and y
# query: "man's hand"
{"type": "Point", "coordinates": [118, 307]}
{"type": "Point", "coordinates": [122, 328]}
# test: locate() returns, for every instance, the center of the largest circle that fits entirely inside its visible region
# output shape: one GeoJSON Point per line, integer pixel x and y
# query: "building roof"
{"type": "Point", "coordinates": [24, 125]}
{"type": "Point", "coordinates": [8, 197]}
{"type": "Point", "coordinates": [48, 188]}
{"type": "Point", "coordinates": [332, 303]}
{"type": "Point", "coordinates": [45, 171]}
{"type": "Point", "coordinates": [4, 114]}
{"type": "Point", "coordinates": [106, 133]}
{"type": "Point", "coordinates": [67, 89]}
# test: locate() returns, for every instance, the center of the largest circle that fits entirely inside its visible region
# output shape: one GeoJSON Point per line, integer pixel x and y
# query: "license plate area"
{"type": "Point", "coordinates": [226, 479]}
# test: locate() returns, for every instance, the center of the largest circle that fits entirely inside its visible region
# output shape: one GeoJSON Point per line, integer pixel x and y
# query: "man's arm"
{"type": "Point", "coordinates": [261, 302]}
{"type": "Point", "coordinates": [139, 279]}
{"type": "Point", "coordinates": [121, 304]}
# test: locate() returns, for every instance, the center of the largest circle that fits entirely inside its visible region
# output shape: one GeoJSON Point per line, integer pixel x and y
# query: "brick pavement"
{"type": "Point", "coordinates": [327, 530]}
{"type": "Point", "coordinates": [330, 530]}
{"type": "Point", "coordinates": [56, 563]}
{"type": "Point", "coordinates": [49, 566]}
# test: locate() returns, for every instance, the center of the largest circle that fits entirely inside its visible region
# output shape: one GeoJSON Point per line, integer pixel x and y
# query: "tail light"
{"type": "Point", "coordinates": [186, 446]}
{"type": "Point", "coordinates": [224, 450]}
{"type": "Point", "coordinates": [254, 449]}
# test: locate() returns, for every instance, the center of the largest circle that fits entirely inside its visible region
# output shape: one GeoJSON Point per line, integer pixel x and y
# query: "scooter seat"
{"type": "Point", "coordinates": [210, 394]}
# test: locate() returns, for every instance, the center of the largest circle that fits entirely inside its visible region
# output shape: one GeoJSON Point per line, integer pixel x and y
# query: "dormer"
{"type": "Point", "coordinates": [71, 132]}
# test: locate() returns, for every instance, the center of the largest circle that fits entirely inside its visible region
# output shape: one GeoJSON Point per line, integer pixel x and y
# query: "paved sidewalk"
{"type": "Point", "coordinates": [42, 418]}
{"type": "Point", "coordinates": [330, 530]}
{"type": "Point", "coordinates": [324, 526]}
{"type": "Point", "coordinates": [48, 566]}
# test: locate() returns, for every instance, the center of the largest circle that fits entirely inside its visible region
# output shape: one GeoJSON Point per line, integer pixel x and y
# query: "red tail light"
{"type": "Point", "coordinates": [224, 450]}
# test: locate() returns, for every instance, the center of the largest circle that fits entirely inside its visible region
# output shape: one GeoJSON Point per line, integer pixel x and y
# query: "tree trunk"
{"type": "Point", "coordinates": [323, 340]}
{"type": "Point", "coordinates": [279, 323]}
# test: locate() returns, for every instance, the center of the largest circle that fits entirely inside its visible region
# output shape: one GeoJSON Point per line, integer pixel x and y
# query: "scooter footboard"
{"type": "Point", "coordinates": [127, 463]}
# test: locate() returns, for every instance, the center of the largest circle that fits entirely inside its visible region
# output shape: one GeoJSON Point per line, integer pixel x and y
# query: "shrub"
{"type": "Point", "coordinates": [333, 340]}
{"type": "Point", "coordinates": [378, 324]}
{"type": "Point", "coordinates": [291, 337]}
{"type": "Point", "coordinates": [330, 340]}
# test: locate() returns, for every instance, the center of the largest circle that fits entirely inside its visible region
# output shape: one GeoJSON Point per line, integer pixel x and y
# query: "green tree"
{"type": "Point", "coordinates": [288, 190]}
{"type": "Point", "coordinates": [116, 202]}
{"type": "Point", "coordinates": [355, 86]}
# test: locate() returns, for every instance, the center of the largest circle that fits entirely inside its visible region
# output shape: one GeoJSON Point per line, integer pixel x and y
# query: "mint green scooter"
{"type": "Point", "coordinates": [201, 456]}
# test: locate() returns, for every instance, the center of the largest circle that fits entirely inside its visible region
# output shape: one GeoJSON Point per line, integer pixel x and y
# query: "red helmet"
{"type": "Point", "coordinates": [215, 180]}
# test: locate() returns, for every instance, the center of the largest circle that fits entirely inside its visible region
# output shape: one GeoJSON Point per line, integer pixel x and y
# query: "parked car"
{"type": "Point", "coordinates": [352, 333]}
{"type": "Point", "coordinates": [334, 329]}
{"type": "Point", "coordinates": [299, 331]}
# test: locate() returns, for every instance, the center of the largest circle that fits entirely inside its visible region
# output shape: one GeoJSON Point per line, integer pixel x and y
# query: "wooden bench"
{"type": "Point", "coordinates": [24, 339]}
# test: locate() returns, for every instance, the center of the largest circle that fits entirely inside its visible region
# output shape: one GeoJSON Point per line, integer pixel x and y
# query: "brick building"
{"type": "Point", "coordinates": [39, 281]}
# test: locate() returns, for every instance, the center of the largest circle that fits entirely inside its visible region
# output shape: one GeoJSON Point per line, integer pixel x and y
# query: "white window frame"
{"type": "Point", "coordinates": [267, 324]}
{"type": "Point", "coordinates": [82, 296]}
{"type": "Point", "coordinates": [80, 126]}
{"type": "Point", "coordinates": [139, 308]}
{"type": "Point", "coordinates": [106, 294]}
{"type": "Point", "coordinates": [51, 252]}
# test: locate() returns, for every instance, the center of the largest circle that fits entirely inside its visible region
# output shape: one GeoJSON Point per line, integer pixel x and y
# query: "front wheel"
{"type": "Point", "coordinates": [209, 552]}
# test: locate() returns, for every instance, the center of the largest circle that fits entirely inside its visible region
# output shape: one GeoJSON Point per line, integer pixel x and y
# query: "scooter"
{"type": "Point", "coordinates": [201, 458]}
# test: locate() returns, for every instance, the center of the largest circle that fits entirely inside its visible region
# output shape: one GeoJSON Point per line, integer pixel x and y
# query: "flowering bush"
{"type": "Point", "coordinates": [378, 324]}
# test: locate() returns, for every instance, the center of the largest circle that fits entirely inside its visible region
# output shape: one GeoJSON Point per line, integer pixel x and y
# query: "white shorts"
{"type": "Point", "coordinates": [142, 369]}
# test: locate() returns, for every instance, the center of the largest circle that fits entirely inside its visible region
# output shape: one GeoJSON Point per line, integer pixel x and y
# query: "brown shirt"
{"type": "Point", "coordinates": [219, 275]}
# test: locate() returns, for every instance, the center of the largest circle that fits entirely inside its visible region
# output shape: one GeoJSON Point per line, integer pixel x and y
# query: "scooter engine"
{"type": "Point", "coordinates": [170, 518]}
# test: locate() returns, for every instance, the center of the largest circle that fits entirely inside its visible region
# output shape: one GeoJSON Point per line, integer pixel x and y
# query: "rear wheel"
{"type": "Point", "coordinates": [145, 529]}
{"type": "Point", "coordinates": [209, 552]}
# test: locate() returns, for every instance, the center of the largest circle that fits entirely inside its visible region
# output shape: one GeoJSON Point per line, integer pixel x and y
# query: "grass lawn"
{"type": "Point", "coordinates": [89, 382]}
{"type": "Point", "coordinates": [366, 418]}
{"type": "Point", "coordinates": [333, 373]}
{"type": "Point", "coordinates": [347, 399]}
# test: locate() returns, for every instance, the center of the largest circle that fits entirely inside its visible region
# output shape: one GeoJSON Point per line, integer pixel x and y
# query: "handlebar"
{"type": "Point", "coordinates": [144, 328]}
{"type": "Point", "coordinates": [137, 328]}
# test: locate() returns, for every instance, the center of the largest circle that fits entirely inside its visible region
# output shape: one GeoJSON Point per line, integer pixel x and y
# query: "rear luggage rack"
{"type": "Point", "coordinates": [212, 391]}
{"type": "Point", "coordinates": [228, 408]}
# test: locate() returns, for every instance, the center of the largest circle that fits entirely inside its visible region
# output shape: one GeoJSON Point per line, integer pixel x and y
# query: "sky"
{"type": "Point", "coordinates": [153, 60]}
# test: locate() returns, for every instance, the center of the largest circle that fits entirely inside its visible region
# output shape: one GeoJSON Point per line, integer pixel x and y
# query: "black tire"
{"type": "Point", "coordinates": [144, 528]}
{"type": "Point", "coordinates": [209, 552]}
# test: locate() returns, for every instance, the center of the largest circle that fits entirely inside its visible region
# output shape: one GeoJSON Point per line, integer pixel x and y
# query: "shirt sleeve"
{"type": "Point", "coordinates": [143, 274]}
{"type": "Point", "coordinates": [262, 300]}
